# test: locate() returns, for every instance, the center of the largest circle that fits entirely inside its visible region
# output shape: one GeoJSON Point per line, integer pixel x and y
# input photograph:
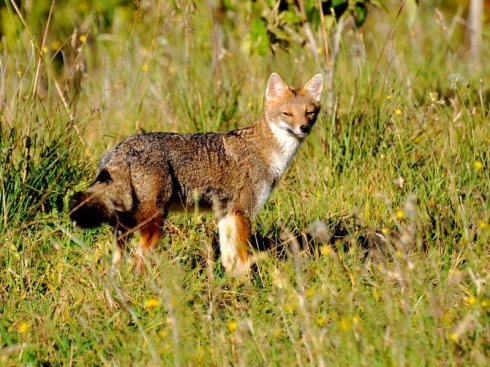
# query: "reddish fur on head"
{"type": "Point", "coordinates": [294, 111]}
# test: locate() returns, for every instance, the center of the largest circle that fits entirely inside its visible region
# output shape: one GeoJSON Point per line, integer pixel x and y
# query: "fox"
{"type": "Point", "coordinates": [148, 175]}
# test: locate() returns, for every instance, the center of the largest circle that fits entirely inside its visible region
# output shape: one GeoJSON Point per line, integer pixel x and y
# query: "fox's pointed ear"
{"type": "Point", "coordinates": [314, 87]}
{"type": "Point", "coordinates": [276, 87]}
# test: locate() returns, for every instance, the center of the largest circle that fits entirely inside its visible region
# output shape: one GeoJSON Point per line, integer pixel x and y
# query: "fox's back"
{"type": "Point", "coordinates": [208, 165]}
{"type": "Point", "coordinates": [155, 150]}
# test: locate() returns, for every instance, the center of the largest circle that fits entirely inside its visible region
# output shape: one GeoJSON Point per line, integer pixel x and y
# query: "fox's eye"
{"type": "Point", "coordinates": [288, 114]}
{"type": "Point", "coordinates": [310, 113]}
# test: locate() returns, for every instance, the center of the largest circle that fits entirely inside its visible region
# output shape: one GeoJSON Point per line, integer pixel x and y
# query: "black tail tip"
{"type": "Point", "coordinates": [87, 212]}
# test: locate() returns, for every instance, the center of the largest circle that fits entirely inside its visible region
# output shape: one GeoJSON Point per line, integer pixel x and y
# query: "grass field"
{"type": "Point", "coordinates": [396, 178]}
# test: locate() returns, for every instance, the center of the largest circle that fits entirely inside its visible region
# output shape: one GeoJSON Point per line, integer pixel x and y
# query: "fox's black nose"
{"type": "Point", "coordinates": [304, 129]}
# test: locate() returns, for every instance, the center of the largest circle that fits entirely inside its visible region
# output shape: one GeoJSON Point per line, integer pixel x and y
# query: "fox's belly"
{"type": "Point", "coordinates": [201, 200]}
{"type": "Point", "coordinates": [184, 206]}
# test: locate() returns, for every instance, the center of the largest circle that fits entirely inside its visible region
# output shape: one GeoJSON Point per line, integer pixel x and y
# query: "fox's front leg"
{"type": "Point", "coordinates": [234, 236]}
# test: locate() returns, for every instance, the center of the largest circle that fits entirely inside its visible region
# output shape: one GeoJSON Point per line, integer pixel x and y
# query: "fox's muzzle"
{"type": "Point", "coordinates": [87, 211]}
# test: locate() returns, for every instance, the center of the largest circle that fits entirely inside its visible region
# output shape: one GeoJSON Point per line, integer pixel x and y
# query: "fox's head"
{"type": "Point", "coordinates": [292, 111]}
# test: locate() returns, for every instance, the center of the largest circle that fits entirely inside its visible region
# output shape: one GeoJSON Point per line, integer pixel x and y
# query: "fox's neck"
{"type": "Point", "coordinates": [281, 146]}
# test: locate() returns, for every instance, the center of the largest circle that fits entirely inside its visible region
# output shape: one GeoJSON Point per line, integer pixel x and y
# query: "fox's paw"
{"type": "Point", "coordinates": [139, 261]}
{"type": "Point", "coordinates": [239, 268]}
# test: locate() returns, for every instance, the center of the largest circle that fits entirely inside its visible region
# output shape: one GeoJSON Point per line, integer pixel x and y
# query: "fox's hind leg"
{"type": "Point", "coordinates": [121, 238]}
{"type": "Point", "coordinates": [123, 233]}
{"type": "Point", "coordinates": [119, 246]}
{"type": "Point", "coordinates": [150, 232]}
{"type": "Point", "coordinates": [234, 236]}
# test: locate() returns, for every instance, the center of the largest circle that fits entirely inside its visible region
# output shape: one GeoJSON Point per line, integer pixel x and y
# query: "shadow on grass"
{"type": "Point", "coordinates": [340, 234]}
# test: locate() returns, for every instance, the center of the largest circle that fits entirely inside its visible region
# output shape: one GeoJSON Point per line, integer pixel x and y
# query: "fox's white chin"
{"type": "Point", "coordinates": [299, 134]}
{"type": "Point", "coordinates": [289, 130]}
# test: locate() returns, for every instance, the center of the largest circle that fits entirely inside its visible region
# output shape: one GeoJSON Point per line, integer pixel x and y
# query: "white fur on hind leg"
{"type": "Point", "coordinates": [140, 259]}
{"type": "Point", "coordinates": [227, 228]}
{"type": "Point", "coordinates": [117, 255]}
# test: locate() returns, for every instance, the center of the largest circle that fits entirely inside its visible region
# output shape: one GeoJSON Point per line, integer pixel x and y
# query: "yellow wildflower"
{"type": "Point", "coordinates": [478, 165]}
{"type": "Point", "coordinates": [277, 333]}
{"type": "Point", "coordinates": [326, 250]}
{"type": "Point", "coordinates": [321, 321]}
{"type": "Point", "coordinates": [232, 325]}
{"type": "Point", "coordinates": [385, 231]}
{"type": "Point", "coordinates": [55, 45]}
{"type": "Point", "coordinates": [398, 111]}
{"type": "Point", "coordinates": [152, 303]}
{"type": "Point", "coordinates": [389, 97]}
{"type": "Point", "coordinates": [290, 307]}
{"type": "Point", "coordinates": [310, 292]}
{"type": "Point", "coordinates": [482, 224]}
{"type": "Point", "coordinates": [400, 214]}
{"type": "Point", "coordinates": [83, 6]}
{"type": "Point", "coordinates": [82, 37]}
{"type": "Point", "coordinates": [453, 336]}
{"type": "Point", "coordinates": [471, 300]}
{"type": "Point", "coordinates": [23, 327]}
{"type": "Point", "coordinates": [345, 324]}
{"type": "Point", "coordinates": [485, 303]}
{"type": "Point", "coordinates": [144, 67]}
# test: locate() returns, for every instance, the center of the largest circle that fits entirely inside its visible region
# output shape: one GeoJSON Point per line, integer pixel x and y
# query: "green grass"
{"type": "Point", "coordinates": [400, 180]}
